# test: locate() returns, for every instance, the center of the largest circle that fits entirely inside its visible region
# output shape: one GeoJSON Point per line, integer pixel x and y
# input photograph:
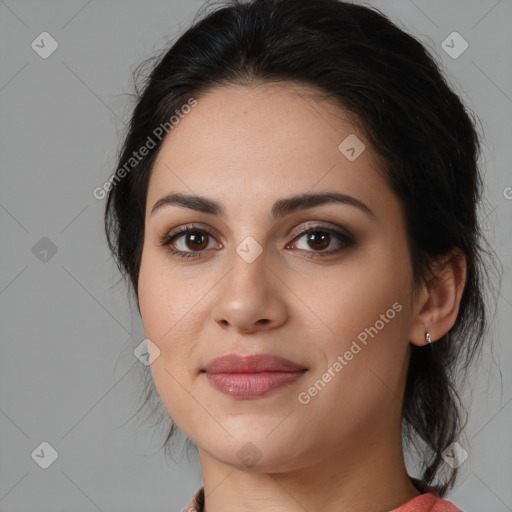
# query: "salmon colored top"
{"type": "Point", "coordinates": [427, 502]}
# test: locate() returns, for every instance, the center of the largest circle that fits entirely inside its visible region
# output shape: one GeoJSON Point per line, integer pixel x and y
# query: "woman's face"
{"type": "Point", "coordinates": [336, 302]}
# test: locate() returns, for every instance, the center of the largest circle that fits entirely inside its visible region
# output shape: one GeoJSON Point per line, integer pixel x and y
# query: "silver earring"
{"type": "Point", "coordinates": [427, 337]}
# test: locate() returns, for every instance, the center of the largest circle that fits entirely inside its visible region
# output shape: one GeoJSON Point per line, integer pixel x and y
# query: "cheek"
{"type": "Point", "coordinates": [359, 382]}
{"type": "Point", "coordinates": [364, 321]}
{"type": "Point", "coordinates": [171, 322]}
{"type": "Point", "coordinates": [165, 300]}
{"type": "Point", "coordinates": [153, 304]}
{"type": "Point", "coordinates": [354, 295]}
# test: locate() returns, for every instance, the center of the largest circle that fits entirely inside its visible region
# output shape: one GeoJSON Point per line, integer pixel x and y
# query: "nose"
{"type": "Point", "coordinates": [251, 297]}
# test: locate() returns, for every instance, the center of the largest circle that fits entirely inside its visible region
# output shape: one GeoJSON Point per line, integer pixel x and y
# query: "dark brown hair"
{"type": "Point", "coordinates": [424, 136]}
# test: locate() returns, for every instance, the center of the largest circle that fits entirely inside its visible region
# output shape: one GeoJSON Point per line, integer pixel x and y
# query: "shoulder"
{"type": "Point", "coordinates": [196, 503]}
{"type": "Point", "coordinates": [427, 502]}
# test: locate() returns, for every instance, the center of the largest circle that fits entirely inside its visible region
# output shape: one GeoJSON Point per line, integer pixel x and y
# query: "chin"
{"type": "Point", "coordinates": [254, 452]}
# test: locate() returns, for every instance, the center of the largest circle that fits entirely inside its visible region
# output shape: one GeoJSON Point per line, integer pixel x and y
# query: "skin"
{"type": "Point", "coordinates": [246, 147]}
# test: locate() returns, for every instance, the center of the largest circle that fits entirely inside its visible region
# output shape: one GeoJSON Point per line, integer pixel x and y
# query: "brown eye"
{"type": "Point", "coordinates": [318, 239]}
{"type": "Point", "coordinates": [196, 241]}
{"type": "Point", "coordinates": [188, 242]}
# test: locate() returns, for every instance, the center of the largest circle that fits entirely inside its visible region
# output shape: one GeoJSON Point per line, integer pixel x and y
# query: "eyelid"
{"type": "Point", "coordinates": [344, 237]}
{"type": "Point", "coordinates": [191, 226]}
{"type": "Point", "coordinates": [320, 224]}
{"type": "Point", "coordinates": [299, 230]}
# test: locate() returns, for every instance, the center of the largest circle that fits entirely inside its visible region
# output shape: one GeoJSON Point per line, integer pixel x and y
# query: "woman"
{"type": "Point", "coordinates": [295, 208]}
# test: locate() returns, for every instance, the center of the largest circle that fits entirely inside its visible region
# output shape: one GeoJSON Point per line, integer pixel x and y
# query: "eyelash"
{"type": "Point", "coordinates": [167, 240]}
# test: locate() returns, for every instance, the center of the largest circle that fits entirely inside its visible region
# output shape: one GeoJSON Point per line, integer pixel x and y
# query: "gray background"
{"type": "Point", "coordinates": [68, 375]}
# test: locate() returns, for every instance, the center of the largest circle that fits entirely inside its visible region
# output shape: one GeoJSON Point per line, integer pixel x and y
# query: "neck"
{"type": "Point", "coordinates": [371, 477]}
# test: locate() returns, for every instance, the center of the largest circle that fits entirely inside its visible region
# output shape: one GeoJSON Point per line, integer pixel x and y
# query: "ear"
{"type": "Point", "coordinates": [438, 302]}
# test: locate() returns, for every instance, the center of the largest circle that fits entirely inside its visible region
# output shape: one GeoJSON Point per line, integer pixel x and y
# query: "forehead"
{"type": "Point", "coordinates": [252, 142]}
{"type": "Point", "coordinates": [268, 112]}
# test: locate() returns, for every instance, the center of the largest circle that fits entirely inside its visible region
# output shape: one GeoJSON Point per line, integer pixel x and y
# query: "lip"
{"type": "Point", "coordinates": [251, 376]}
{"type": "Point", "coordinates": [256, 363]}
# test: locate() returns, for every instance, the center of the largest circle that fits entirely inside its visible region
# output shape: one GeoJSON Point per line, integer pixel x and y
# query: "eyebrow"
{"type": "Point", "coordinates": [281, 208]}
